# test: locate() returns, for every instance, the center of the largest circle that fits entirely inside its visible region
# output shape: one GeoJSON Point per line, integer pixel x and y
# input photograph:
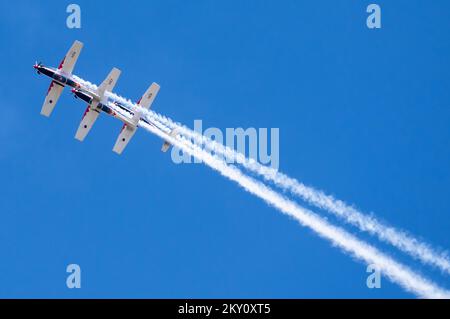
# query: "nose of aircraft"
{"type": "Point", "coordinates": [36, 67]}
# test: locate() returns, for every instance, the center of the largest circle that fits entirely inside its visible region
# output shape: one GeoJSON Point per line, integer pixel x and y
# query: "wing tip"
{"type": "Point", "coordinates": [117, 150]}
{"type": "Point", "coordinates": [79, 135]}
{"type": "Point", "coordinates": [117, 70]}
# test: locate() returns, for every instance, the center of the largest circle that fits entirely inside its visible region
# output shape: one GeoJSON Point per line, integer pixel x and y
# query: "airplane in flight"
{"type": "Point", "coordinates": [97, 99]}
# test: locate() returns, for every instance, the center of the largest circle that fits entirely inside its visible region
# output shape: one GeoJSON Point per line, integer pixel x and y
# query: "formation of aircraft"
{"type": "Point", "coordinates": [96, 99]}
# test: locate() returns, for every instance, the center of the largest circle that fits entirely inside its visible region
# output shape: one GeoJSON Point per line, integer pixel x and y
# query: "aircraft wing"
{"type": "Point", "coordinates": [68, 63]}
{"type": "Point", "coordinates": [148, 97]}
{"type": "Point", "coordinates": [88, 120]}
{"type": "Point", "coordinates": [91, 113]}
{"type": "Point", "coordinates": [110, 81]}
{"type": "Point", "coordinates": [53, 94]}
{"type": "Point", "coordinates": [125, 136]}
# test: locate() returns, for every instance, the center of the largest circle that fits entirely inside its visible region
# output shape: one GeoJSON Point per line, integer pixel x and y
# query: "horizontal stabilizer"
{"type": "Point", "coordinates": [166, 144]}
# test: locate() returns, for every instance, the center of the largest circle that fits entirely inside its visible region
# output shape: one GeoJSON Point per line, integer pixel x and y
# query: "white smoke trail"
{"type": "Point", "coordinates": [396, 272]}
{"type": "Point", "coordinates": [397, 238]}
{"type": "Point", "coordinates": [84, 83]}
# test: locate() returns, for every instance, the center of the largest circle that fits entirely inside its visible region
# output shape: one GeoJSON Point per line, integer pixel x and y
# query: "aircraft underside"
{"type": "Point", "coordinates": [96, 99]}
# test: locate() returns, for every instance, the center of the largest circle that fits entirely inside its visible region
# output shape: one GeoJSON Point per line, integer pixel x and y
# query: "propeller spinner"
{"type": "Point", "coordinates": [36, 66]}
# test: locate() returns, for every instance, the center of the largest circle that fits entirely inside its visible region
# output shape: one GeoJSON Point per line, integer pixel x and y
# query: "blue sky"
{"type": "Point", "coordinates": [363, 114]}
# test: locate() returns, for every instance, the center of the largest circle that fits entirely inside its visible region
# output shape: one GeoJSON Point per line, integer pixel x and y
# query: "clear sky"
{"type": "Point", "coordinates": [363, 114]}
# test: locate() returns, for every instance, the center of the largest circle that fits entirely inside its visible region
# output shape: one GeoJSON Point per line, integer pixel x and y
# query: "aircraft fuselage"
{"type": "Point", "coordinates": [57, 76]}
{"type": "Point", "coordinates": [113, 108]}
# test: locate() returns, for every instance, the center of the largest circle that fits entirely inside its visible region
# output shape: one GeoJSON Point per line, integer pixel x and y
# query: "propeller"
{"type": "Point", "coordinates": [36, 66]}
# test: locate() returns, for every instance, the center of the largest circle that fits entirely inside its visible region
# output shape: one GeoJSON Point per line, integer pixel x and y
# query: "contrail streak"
{"type": "Point", "coordinates": [396, 272]}
{"type": "Point", "coordinates": [397, 238]}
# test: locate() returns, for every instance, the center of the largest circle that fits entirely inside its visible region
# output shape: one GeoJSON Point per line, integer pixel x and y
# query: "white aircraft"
{"type": "Point", "coordinates": [97, 99]}
{"type": "Point", "coordinates": [61, 77]}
